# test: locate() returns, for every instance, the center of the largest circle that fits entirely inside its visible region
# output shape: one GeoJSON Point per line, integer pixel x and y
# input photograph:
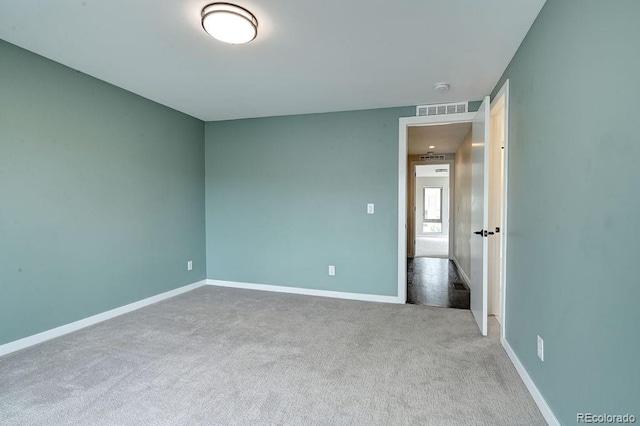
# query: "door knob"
{"type": "Point", "coordinates": [481, 232]}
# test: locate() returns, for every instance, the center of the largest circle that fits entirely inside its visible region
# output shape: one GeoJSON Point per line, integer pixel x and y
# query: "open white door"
{"type": "Point", "coordinates": [479, 214]}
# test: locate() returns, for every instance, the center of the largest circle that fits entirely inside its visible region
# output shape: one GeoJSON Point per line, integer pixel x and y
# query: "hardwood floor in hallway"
{"type": "Point", "coordinates": [436, 282]}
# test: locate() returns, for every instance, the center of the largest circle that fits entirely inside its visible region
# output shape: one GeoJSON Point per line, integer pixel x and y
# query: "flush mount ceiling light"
{"type": "Point", "coordinates": [229, 23]}
{"type": "Point", "coordinates": [441, 87]}
{"type": "Point", "coordinates": [431, 146]}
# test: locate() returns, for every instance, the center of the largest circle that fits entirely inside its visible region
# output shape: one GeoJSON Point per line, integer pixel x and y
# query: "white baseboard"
{"type": "Point", "coordinates": [533, 389]}
{"type": "Point", "coordinates": [462, 273]}
{"type": "Point", "coordinates": [307, 291]}
{"type": "Point", "coordinates": [77, 325]}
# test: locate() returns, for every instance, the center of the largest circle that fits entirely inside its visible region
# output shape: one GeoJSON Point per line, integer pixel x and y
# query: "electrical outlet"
{"type": "Point", "coordinates": [189, 265]}
{"type": "Point", "coordinates": [540, 348]}
{"type": "Point", "coordinates": [370, 208]}
{"type": "Point", "coordinates": [332, 270]}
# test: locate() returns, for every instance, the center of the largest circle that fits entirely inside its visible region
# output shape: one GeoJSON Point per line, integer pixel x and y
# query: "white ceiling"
{"type": "Point", "coordinates": [429, 170]}
{"type": "Point", "coordinates": [446, 138]}
{"type": "Point", "coordinates": [309, 56]}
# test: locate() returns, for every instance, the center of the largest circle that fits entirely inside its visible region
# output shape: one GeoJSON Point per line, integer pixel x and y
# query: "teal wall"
{"type": "Point", "coordinates": [474, 105]}
{"type": "Point", "coordinates": [287, 196]}
{"type": "Point", "coordinates": [574, 206]}
{"type": "Point", "coordinates": [101, 196]}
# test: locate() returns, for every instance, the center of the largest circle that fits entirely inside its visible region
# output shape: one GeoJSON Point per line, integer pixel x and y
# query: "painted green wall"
{"type": "Point", "coordinates": [101, 196]}
{"type": "Point", "coordinates": [287, 196]}
{"type": "Point", "coordinates": [574, 206]}
{"type": "Point", "coordinates": [474, 105]}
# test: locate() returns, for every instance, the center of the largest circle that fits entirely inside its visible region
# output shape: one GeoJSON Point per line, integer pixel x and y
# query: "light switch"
{"type": "Point", "coordinates": [370, 208]}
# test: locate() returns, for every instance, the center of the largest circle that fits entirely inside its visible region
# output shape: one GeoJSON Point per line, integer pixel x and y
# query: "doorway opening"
{"type": "Point", "coordinates": [433, 278]}
{"type": "Point", "coordinates": [432, 191]}
{"type": "Point", "coordinates": [479, 209]}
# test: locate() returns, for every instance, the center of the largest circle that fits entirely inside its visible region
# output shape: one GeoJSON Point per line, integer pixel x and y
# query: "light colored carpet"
{"type": "Point", "coordinates": [218, 356]}
{"type": "Point", "coordinates": [432, 247]}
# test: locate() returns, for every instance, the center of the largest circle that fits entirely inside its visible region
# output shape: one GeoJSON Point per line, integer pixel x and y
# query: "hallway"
{"type": "Point", "coordinates": [436, 282]}
{"type": "Point", "coordinates": [432, 246]}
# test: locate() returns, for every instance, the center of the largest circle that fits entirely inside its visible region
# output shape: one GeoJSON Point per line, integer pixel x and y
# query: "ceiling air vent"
{"type": "Point", "coordinates": [431, 157]}
{"type": "Point", "coordinates": [442, 109]}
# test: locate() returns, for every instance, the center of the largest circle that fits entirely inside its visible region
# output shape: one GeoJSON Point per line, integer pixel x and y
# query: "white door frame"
{"type": "Point", "coordinates": [504, 92]}
{"type": "Point", "coordinates": [404, 124]}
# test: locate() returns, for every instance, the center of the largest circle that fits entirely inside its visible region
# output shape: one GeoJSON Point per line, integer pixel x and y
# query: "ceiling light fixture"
{"type": "Point", "coordinates": [431, 146]}
{"type": "Point", "coordinates": [229, 23]}
{"type": "Point", "coordinates": [441, 87]}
